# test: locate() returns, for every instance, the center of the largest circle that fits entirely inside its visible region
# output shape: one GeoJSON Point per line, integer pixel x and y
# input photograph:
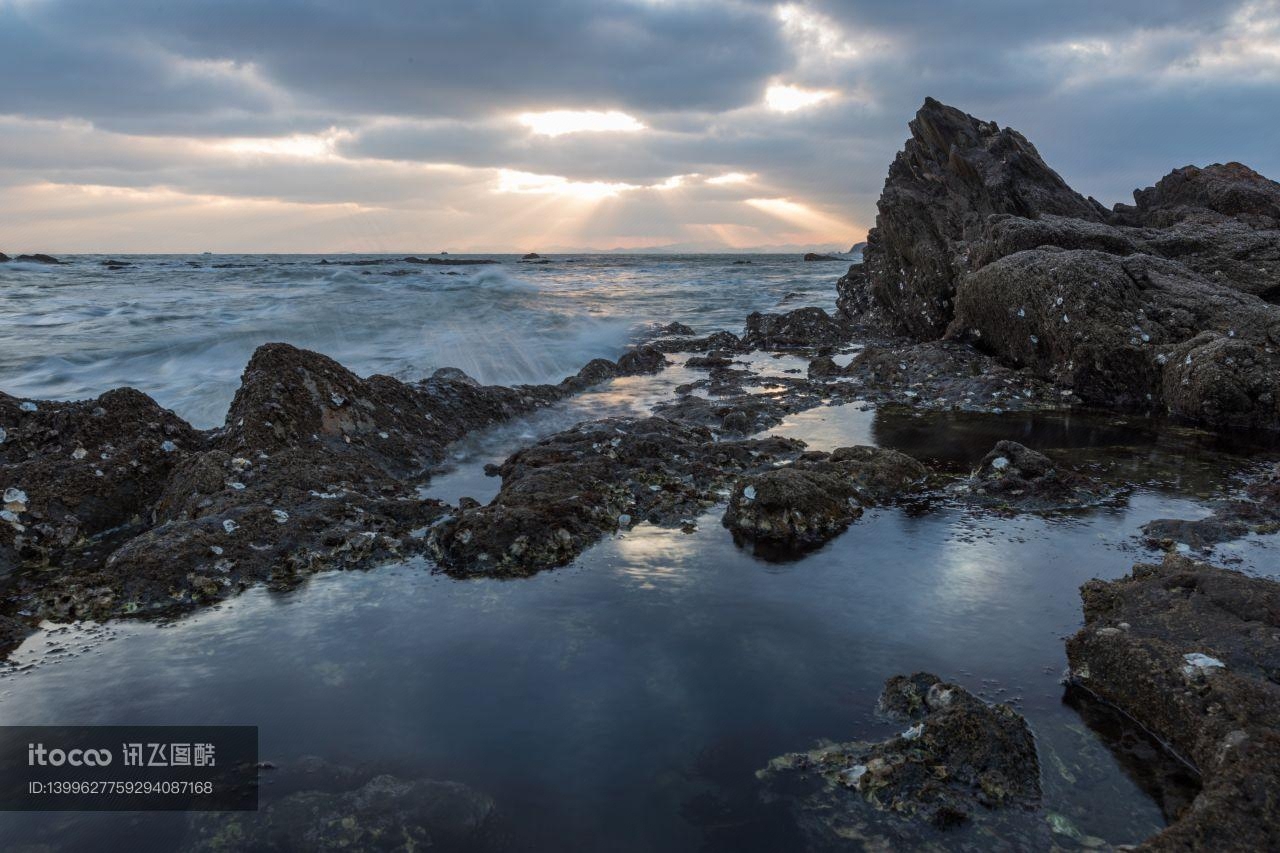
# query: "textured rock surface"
{"type": "Point", "coordinates": [801, 328]}
{"type": "Point", "coordinates": [128, 510]}
{"type": "Point", "coordinates": [1015, 477]}
{"type": "Point", "coordinates": [569, 490]}
{"type": "Point", "coordinates": [960, 762]}
{"type": "Point", "coordinates": [1162, 305]}
{"type": "Point", "coordinates": [1192, 652]}
{"type": "Point", "coordinates": [819, 495]}
{"type": "Point", "coordinates": [952, 173]}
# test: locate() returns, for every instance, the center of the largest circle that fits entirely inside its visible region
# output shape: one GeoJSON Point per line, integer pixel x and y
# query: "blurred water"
{"type": "Point", "coordinates": [181, 328]}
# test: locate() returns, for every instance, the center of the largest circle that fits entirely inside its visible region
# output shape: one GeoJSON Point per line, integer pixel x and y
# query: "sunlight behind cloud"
{"type": "Point", "coordinates": [730, 178]}
{"type": "Point", "coordinates": [787, 99]}
{"type": "Point", "coordinates": [305, 146]}
{"type": "Point", "coordinates": [513, 181]}
{"type": "Point", "coordinates": [560, 122]}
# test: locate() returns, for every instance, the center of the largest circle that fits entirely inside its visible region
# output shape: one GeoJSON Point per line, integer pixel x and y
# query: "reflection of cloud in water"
{"type": "Point", "coordinates": [829, 427]}
{"type": "Point", "coordinates": [654, 556]}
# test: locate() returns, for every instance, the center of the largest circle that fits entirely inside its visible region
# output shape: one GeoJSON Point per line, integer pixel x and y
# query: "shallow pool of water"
{"type": "Point", "coordinates": [624, 703]}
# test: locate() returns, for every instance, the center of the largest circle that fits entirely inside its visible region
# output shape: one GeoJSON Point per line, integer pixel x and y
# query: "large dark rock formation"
{"type": "Point", "coordinates": [1192, 652]}
{"type": "Point", "coordinates": [1164, 305]}
{"type": "Point", "coordinates": [125, 509]}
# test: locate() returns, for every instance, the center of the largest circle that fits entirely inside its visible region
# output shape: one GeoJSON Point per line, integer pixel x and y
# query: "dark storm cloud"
{"type": "Point", "coordinates": [454, 57]}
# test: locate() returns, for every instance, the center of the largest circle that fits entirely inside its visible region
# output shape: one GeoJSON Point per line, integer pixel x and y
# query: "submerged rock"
{"type": "Point", "coordinates": [814, 256]}
{"type": "Point", "coordinates": [1012, 475]}
{"type": "Point", "coordinates": [385, 814]}
{"type": "Point", "coordinates": [1192, 652]}
{"type": "Point", "coordinates": [819, 495]}
{"type": "Point", "coordinates": [960, 762]}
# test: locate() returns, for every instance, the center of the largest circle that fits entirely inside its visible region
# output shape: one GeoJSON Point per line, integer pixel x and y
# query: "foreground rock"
{"type": "Point", "coordinates": [125, 509]}
{"type": "Point", "coordinates": [569, 490]}
{"type": "Point", "coordinates": [818, 496]}
{"type": "Point", "coordinates": [801, 328]}
{"type": "Point", "coordinates": [1162, 305]}
{"type": "Point", "coordinates": [961, 762]}
{"type": "Point", "coordinates": [1013, 476]}
{"type": "Point", "coordinates": [1192, 652]}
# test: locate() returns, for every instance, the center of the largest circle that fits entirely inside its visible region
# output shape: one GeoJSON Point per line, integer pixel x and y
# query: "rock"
{"type": "Point", "coordinates": [722, 340]}
{"type": "Point", "coordinates": [818, 496]}
{"type": "Point", "coordinates": [531, 256]}
{"type": "Point", "coordinates": [708, 362]}
{"type": "Point", "coordinates": [4, 258]}
{"type": "Point", "coordinates": [1014, 476]}
{"type": "Point", "coordinates": [856, 248]}
{"type": "Point", "coordinates": [447, 262]}
{"type": "Point", "coordinates": [674, 330]}
{"type": "Point", "coordinates": [1231, 190]}
{"type": "Point", "coordinates": [791, 507]}
{"type": "Point", "coordinates": [1192, 652]}
{"type": "Point", "coordinates": [316, 468]}
{"type": "Point", "coordinates": [814, 256]}
{"type": "Point", "coordinates": [385, 814]}
{"type": "Point", "coordinates": [640, 361]}
{"type": "Point", "coordinates": [87, 472]}
{"type": "Point", "coordinates": [953, 173]}
{"type": "Point", "coordinates": [37, 259]}
{"type": "Point", "coordinates": [1161, 306]}
{"type": "Point", "coordinates": [941, 375]}
{"type": "Point", "coordinates": [961, 761]}
{"type": "Point", "coordinates": [803, 327]}
{"type": "Point", "coordinates": [569, 490]}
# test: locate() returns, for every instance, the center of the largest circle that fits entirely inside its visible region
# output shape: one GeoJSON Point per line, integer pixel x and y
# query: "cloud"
{"type": "Point", "coordinates": [617, 122]}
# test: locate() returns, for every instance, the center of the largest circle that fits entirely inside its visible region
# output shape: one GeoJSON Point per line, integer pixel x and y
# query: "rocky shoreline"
{"type": "Point", "coordinates": [988, 286]}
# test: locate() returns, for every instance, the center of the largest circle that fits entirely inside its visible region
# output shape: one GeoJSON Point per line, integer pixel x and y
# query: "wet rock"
{"type": "Point", "coordinates": [447, 262]}
{"type": "Point", "coordinates": [675, 330]}
{"type": "Point", "coordinates": [569, 490]}
{"type": "Point", "coordinates": [1014, 476]}
{"type": "Point", "coordinates": [791, 506]}
{"type": "Point", "coordinates": [78, 476]}
{"type": "Point", "coordinates": [385, 814]}
{"type": "Point", "coordinates": [722, 340]}
{"type": "Point", "coordinates": [707, 362]}
{"type": "Point", "coordinates": [803, 327]}
{"type": "Point", "coordinates": [959, 762]}
{"type": "Point", "coordinates": [1192, 652]}
{"type": "Point", "coordinates": [818, 496]}
{"type": "Point", "coordinates": [640, 361]}
{"type": "Point", "coordinates": [1199, 534]}
{"type": "Point", "coordinates": [942, 375]}
{"type": "Point", "coordinates": [814, 256]}
{"type": "Point", "coordinates": [4, 258]}
{"type": "Point", "coordinates": [37, 259]}
{"type": "Point", "coordinates": [531, 256]}
{"type": "Point", "coordinates": [315, 469]}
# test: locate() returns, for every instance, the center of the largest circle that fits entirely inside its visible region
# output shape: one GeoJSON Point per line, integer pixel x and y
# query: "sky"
{"type": "Point", "coordinates": [511, 125]}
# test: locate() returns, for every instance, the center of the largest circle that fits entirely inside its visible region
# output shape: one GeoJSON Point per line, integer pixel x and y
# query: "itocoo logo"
{"type": "Point", "coordinates": [38, 755]}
